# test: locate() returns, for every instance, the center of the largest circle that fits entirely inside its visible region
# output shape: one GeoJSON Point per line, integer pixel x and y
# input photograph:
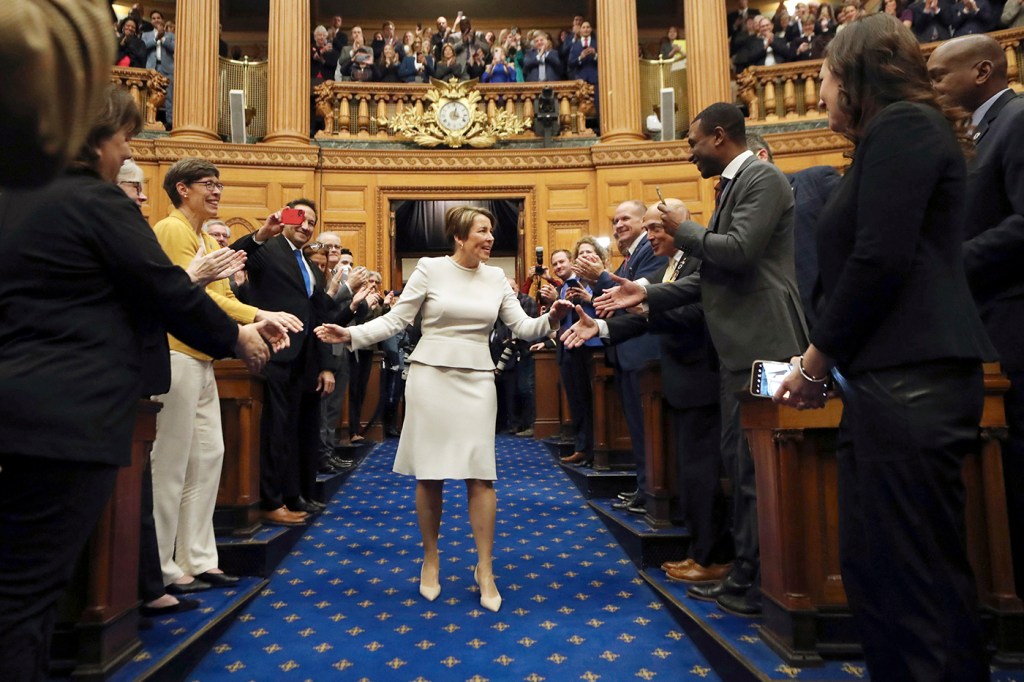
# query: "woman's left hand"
{"type": "Point", "coordinates": [797, 391]}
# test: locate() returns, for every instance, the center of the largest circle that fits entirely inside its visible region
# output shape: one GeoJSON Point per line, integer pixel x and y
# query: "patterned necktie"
{"type": "Point", "coordinates": [305, 273]}
{"type": "Point", "coordinates": [718, 192]}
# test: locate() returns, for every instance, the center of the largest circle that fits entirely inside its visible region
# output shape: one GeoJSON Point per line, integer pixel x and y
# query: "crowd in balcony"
{"type": "Point", "coordinates": [452, 50]}
{"type": "Point", "coordinates": [757, 39]}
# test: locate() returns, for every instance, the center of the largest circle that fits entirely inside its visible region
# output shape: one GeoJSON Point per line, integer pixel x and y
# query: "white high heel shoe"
{"type": "Point", "coordinates": [489, 603]}
{"type": "Point", "coordinates": [429, 592]}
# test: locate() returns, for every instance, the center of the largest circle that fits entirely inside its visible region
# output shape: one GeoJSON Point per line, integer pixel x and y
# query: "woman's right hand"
{"type": "Point", "coordinates": [332, 333]}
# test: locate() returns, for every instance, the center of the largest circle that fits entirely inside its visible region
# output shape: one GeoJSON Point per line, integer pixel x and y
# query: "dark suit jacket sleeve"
{"type": "Point", "coordinates": [994, 257]}
{"type": "Point", "coordinates": [753, 221]}
{"type": "Point", "coordinates": [897, 151]}
{"type": "Point", "coordinates": [139, 265]}
{"type": "Point", "coordinates": [662, 297]}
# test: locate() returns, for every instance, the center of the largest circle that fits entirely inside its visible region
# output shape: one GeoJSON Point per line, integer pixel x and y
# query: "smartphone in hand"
{"type": "Point", "coordinates": [766, 376]}
{"type": "Point", "coordinates": [292, 216]}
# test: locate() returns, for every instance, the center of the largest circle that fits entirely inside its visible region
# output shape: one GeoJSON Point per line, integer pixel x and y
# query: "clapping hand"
{"type": "Point", "coordinates": [626, 295]}
{"type": "Point", "coordinates": [581, 331]}
{"type": "Point", "coordinates": [588, 266]}
{"type": "Point", "coordinates": [209, 267]}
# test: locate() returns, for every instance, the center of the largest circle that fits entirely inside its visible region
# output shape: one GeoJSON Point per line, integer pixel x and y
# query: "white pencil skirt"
{"type": "Point", "coordinates": [449, 424]}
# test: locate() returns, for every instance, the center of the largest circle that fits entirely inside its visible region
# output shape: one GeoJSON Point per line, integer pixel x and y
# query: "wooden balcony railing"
{"type": "Point", "coordinates": [147, 87]}
{"type": "Point", "coordinates": [789, 92]}
{"type": "Point", "coordinates": [352, 110]}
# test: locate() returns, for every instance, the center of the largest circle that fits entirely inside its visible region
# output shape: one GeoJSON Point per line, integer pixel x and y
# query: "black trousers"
{"type": "Point", "coordinates": [151, 575]}
{"type": "Point", "coordinates": [574, 370]}
{"type": "Point", "coordinates": [698, 436]}
{"type": "Point", "coordinates": [902, 440]}
{"type": "Point", "coordinates": [48, 509]}
{"type": "Point", "coordinates": [628, 383]}
{"type": "Point", "coordinates": [289, 433]}
{"type": "Point", "coordinates": [739, 466]}
{"type": "Point", "coordinates": [1013, 471]}
{"type": "Point", "coordinates": [360, 366]}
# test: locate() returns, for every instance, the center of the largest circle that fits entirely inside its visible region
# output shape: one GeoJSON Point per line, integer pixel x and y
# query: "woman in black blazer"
{"type": "Point", "coordinates": [900, 335]}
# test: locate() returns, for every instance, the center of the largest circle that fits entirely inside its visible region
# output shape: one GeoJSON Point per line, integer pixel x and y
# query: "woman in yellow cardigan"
{"type": "Point", "coordinates": [189, 448]}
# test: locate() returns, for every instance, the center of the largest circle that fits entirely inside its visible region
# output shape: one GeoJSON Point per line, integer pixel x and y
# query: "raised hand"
{"type": "Point", "coordinates": [559, 309]}
{"type": "Point", "coordinates": [332, 333]}
{"type": "Point", "coordinates": [250, 348]}
{"type": "Point", "coordinates": [672, 217]}
{"type": "Point", "coordinates": [357, 278]}
{"type": "Point", "coordinates": [626, 295]}
{"type": "Point", "coordinates": [548, 294]}
{"type": "Point", "coordinates": [272, 227]}
{"type": "Point", "coordinates": [209, 267]}
{"type": "Point", "coordinates": [588, 266]}
{"type": "Point", "coordinates": [581, 331]}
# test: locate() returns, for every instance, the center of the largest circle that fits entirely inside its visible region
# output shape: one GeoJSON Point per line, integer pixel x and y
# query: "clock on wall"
{"type": "Point", "coordinates": [454, 118]}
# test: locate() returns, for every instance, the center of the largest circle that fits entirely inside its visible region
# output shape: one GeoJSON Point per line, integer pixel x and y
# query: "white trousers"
{"type": "Point", "coordinates": [187, 457]}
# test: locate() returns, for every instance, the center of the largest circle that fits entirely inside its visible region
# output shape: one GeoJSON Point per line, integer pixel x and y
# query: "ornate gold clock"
{"type": "Point", "coordinates": [453, 118]}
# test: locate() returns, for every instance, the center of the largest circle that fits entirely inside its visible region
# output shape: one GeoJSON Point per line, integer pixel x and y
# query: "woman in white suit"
{"type": "Point", "coordinates": [451, 383]}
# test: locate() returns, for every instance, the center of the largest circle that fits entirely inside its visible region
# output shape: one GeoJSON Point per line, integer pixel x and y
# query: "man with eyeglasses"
{"type": "Point", "coordinates": [281, 277]}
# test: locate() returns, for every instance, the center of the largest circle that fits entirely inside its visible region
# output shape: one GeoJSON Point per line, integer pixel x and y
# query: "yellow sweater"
{"type": "Point", "coordinates": [181, 243]}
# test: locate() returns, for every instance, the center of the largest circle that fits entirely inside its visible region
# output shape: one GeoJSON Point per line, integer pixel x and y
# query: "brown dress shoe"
{"type": "Point", "coordinates": [677, 565]}
{"type": "Point", "coordinates": [575, 458]}
{"type": "Point", "coordinates": [284, 517]}
{"type": "Point", "coordinates": [697, 574]}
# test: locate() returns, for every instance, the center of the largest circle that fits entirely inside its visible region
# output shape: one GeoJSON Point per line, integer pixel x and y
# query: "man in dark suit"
{"type": "Point", "coordinates": [763, 49]}
{"type": "Point", "coordinates": [629, 357]}
{"type": "Point", "coordinates": [582, 59]}
{"type": "Point", "coordinates": [931, 19]}
{"type": "Point", "coordinates": [972, 72]}
{"type": "Point", "coordinates": [281, 278]}
{"type": "Point", "coordinates": [747, 282]}
{"type": "Point", "coordinates": [542, 62]}
{"type": "Point", "coordinates": [811, 189]}
{"type": "Point", "coordinates": [690, 384]}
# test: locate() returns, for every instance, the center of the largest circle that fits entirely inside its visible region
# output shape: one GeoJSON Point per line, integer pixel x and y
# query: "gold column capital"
{"type": "Point", "coordinates": [195, 68]}
{"type": "Point", "coordinates": [288, 80]}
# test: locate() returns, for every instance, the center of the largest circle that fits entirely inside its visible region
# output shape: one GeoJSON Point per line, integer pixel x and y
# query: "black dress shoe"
{"type": "Point", "coordinates": [326, 467]}
{"type": "Point", "coordinates": [712, 591]}
{"type": "Point", "coordinates": [188, 588]}
{"type": "Point", "coordinates": [320, 506]}
{"type": "Point", "coordinates": [392, 433]}
{"type": "Point", "coordinates": [627, 496]}
{"type": "Point", "coordinates": [301, 504]}
{"type": "Point", "coordinates": [747, 605]}
{"type": "Point", "coordinates": [182, 606]}
{"type": "Point", "coordinates": [635, 502]}
{"type": "Point", "coordinates": [218, 579]}
{"type": "Point", "coordinates": [342, 464]}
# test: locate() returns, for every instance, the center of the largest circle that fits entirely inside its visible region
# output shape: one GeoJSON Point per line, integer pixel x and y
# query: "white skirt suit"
{"type": "Point", "coordinates": [450, 398]}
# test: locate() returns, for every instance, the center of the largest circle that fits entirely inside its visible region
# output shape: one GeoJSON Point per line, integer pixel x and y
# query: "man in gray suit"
{"type": "Point", "coordinates": [160, 56]}
{"type": "Point", "coordinates": [747, 283]}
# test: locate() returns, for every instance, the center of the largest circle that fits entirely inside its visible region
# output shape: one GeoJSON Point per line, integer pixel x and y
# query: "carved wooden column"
{"type": "Point", "coordinates": [195, 70]}
{"type": "Point", "coordinates": [707, 54]}
{"type": "Point", "coordinates": [619, 71]}
{"type": "Point", "coordinates": [288, 94]}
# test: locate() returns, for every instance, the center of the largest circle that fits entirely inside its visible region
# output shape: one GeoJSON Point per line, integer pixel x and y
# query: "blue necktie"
{"type": "Point", "coordinates": [305, 273]}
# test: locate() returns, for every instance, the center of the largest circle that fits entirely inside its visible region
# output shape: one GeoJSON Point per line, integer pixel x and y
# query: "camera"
{"type": "Point", "coordinates": [539, 267]}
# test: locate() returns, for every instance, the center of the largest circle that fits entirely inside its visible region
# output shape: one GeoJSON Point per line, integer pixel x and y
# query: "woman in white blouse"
{"type": "Point", "coordinates": [451, 383]}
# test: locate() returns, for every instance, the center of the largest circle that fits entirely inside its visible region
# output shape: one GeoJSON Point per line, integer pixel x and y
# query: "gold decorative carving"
{"type": "Point", "coordinates": [454, 118]}
{"type": "Point", "coordinates": [506, 159]}
{"type": "Point", "coordinates": [238, 154]}
{"type": "Point", "coordinates": [620, 155]}
{"type": "Point", "coordinates": [240, 223]}
{"type": "Point", "coordinates": [147, 87]}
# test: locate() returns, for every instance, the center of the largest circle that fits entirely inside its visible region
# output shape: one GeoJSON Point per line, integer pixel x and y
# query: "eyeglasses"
{"type": "Point", "coordinates": [136, 185]}
{"type": "Point", "coordinates": [332, 247]}
{"type": "Point", "coordinates": [210, 185]}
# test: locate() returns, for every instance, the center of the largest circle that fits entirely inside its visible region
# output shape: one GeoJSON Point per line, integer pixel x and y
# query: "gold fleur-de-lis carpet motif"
{"type": "Point", "coordinates": [345, 604]}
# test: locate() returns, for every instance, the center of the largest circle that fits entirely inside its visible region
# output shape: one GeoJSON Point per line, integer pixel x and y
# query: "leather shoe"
{"type": "Point", "coordinates": [525, 433]}
{"type": "Point", "coordinates": [182, 606]}
{"type": "Point", "coordinates": [677, 565]}
{"type": "Point", "coordinates": [700, 574]}
{"type": "Point", "coordinates": [301, 504]}
{"type": "Point", "coordinates": [188, 588]}
{"type": "Point", "coordinates": [218, 579]}
{"type": "Point", "coordinates": [342, 464]}
{"type": "Point", "coordinates": [636, 504]}
{"type": "Point", "coordinates": [392, 433]}
{"type": "Point", "coordinates": [327, 466]}
{"type": "Point", "coordinates": [747, 605]}
{"type": "Point", "coordinates": [283, 517]}
{"type": "Point", "coordinates": [712, 591]}
{"type": "Point", "coordinates": [575, 458]}
{"type": "Point", "coordinates": [627, 496]}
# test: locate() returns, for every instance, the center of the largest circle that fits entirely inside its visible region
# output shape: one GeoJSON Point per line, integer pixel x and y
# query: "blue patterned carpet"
{"type": "Point", "coordinates": [345, 605]}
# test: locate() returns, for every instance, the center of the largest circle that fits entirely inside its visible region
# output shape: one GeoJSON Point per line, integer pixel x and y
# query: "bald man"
{"type": "Point", "coordinates": [971, 71]}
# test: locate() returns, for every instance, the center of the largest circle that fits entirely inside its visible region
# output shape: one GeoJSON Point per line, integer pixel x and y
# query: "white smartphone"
{"type": "Point", "coordinates": [766, 376]}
